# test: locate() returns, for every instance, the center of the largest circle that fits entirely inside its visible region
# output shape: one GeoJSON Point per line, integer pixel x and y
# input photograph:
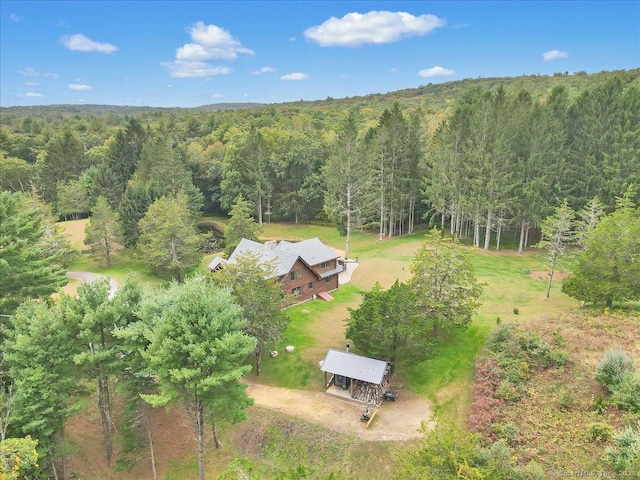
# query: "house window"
{"type": "Point", "coordinates": [327, 280]}
{"type": "Point", "coordinates": [325, 264]}
{"type": "Point", "coordinates": [310, 285]}
{"type": "Point", "coordinates": [297, 291]}
{"type": "Point", "coordinates": [299, 272]}
{"type": "Point", "coordinates": [293, 275]}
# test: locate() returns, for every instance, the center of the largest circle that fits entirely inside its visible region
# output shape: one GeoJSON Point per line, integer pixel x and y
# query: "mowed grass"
{"type": "Point", "coordinates": [316, 326]}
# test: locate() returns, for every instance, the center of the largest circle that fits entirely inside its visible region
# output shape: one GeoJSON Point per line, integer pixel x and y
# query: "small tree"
{"type": "Point", "coordinates": [557, 233]}
{"type": "Point", "coordinates": [255, 287]}
{"type": "Point", "coordinates": [444, 286]}
{"type": "Point", "coordinates": [241, 225]}
{"type": "Point", "coordinates": [103, 233]}
{"type": "Point", "coordinates": [386, 326]}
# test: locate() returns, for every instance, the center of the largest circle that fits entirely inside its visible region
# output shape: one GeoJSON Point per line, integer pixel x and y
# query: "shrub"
{"type": "Point", "coordinates": [599, 432]}
{"type": "Point", "coordinates": [509, 392]}
{"type": "Point", "coordinates": [599, 404]}
{"type": "Point", "coordinates": [507, 431]}
{"type": "Point", "coordinates": [531, 471]}
{"type": "Point", "coordinates": [516, 311]}
{"type": "Point", "coordinates": [566, 400]}
{"type": "Point", "coordinates": [626, 452]}
{"type": "Point", "coordinates": [613, 367]}
{"type": "Point", "coordinates": [499, 337]}
{"type": "Point", "coordinates": [626, 395]}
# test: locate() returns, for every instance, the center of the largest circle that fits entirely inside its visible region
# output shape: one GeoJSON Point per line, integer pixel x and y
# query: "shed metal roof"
{"type": "Point", "coordinates": [354, 366]}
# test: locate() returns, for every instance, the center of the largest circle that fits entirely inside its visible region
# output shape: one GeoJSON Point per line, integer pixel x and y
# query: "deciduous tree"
{"type": "Point", "coordinates": [256, 288]}
{"type": "Point", "coordinates": [444, 286]}
{"type": "Point", "coordinates": [557, 234]}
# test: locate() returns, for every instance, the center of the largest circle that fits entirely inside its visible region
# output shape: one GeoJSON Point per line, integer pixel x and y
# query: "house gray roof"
{"type": "Point", "coordinates": [285, 254]}
{"type": "Point", "coordinates": [354, 366]}
{"type": "Point", "coordinates": [312, 251]}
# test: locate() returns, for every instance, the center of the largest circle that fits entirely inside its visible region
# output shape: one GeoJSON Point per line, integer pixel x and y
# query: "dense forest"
{"type": "Point", "coordinates": [484, 156]}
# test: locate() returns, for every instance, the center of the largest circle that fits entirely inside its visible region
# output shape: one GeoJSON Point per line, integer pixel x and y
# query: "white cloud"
{"type": "Point", "coordinates": [435, 72]}
{"type": "Point", "coordinates": [552, 55]}
{"type": "Point", "coordinates": [211, 43]}
{"type": "Point", "coordinates": [295, 76]}
{"type": "Point", "coordinates": [264, 70]}
{"type": "Point", "coordinates": [79, 86]}
{"type": "Point", "coordinates": [32, 72]}
{"type": "Point", "coordinates": [33, 95]}
{"type": "Point", "coordinates": [217, 95]}
{"type": "Point", "coordinates": [80, 43]}
{"type": "Point", "coordinates": [182, 69]}
{"type": "Point", "coordinates": [14, 17]}
{"type": "Point", "coordinates": [32, 84]}
{"type": "Point", "coordinates": [355, 29]}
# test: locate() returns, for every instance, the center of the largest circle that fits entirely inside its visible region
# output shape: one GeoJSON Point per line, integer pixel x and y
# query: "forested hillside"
{"type": "Point", "coordinates": [488, 155]}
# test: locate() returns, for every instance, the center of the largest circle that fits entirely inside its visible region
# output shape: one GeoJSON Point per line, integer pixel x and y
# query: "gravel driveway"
{"type": "Point", "coordinates": [92, 277]}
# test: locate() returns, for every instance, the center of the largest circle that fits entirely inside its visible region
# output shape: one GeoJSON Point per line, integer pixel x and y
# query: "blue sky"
{"type": "Point", "coordinates": [185, 54]}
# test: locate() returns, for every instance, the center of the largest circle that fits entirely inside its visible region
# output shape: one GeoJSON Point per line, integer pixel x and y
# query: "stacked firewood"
{"type": "Point", "coordinates": [368, 392]}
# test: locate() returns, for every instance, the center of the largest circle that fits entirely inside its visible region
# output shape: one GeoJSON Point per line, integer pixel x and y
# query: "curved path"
{"type": "Point", "coordinates": [92, 277]}
{"type": "Point", "coordinates": [395, 421]}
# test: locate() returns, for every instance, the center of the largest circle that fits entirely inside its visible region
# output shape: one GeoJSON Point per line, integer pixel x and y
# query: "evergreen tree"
{"type": "Point", "coordinates": [38, 355]}
{"type": "Point", "coordinates": [608, 269]}
{"type": "Point", "coordinates": [349, 179]}
{"type": "Point", "coordinates": [196, 349]}
{"type": "Point", "coordinates": [103, 233]}
{"type": "Point", "coordinates": [240, 225]}
{"type": "Point", "coordinates": [169, 241]}
{"type": "Point", "coordinates": [28, 268]}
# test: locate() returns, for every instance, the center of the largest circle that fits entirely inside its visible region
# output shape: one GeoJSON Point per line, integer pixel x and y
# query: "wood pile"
{"type": "Point", "coordinates": [368, 392]}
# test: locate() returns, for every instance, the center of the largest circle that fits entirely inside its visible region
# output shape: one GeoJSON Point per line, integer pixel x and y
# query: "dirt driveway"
{"type": "Point", "coordinates": [395, 421]}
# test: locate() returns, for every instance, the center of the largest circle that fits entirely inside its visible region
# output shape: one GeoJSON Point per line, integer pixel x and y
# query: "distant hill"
{"type": "Point", "coordinates": [431, 97]}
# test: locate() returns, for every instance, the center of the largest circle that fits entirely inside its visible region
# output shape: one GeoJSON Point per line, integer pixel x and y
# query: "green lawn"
{"type": "Point", "coordinates": [315, 326]}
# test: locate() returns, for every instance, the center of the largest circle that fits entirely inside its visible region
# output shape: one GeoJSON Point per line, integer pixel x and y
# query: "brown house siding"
{"type": "Point", "coordinates": [304, 276]}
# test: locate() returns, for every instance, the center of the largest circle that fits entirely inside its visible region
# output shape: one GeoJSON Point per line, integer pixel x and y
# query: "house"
{"type": "Point", "coordinates": [360, 378]}
{"type": "Point", "coordinates": [305, 269]}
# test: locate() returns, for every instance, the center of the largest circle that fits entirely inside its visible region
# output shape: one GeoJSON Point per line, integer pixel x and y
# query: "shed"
{"type": "Point", "coordinates": [365, 378]}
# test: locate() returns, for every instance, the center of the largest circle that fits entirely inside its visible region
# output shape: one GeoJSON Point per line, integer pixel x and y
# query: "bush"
{"type": "Point", "coordinates": [509, 392]}
{"type": "Point", "coordinates": [566, 400]}
{"type": "Point", "coordinates": [599, 404]}
{"type": "Point", "coordinates": [599, 432]}
{"type": "Point", "coordinates": [625, 454]}
{"type": "Point", "coordinates": [626, 395]}
{"type": "Point", "coordinates": [613, 367]}
{"type": "Point", "coordinates": [507, 431]}
{"type": "Point", "coordinates": [516, 311]}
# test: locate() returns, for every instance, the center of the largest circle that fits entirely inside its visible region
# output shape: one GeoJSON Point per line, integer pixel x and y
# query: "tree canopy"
{"type": "Point", "coordinates": [608, 270]}
{"type": "Point", "coordinates": [28, 267]}
{"type": "Point", "coordinates": [196, 349]}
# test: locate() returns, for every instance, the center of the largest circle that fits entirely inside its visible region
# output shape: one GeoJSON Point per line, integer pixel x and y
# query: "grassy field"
{"type": "Point", "coordinates": [511, 281]}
